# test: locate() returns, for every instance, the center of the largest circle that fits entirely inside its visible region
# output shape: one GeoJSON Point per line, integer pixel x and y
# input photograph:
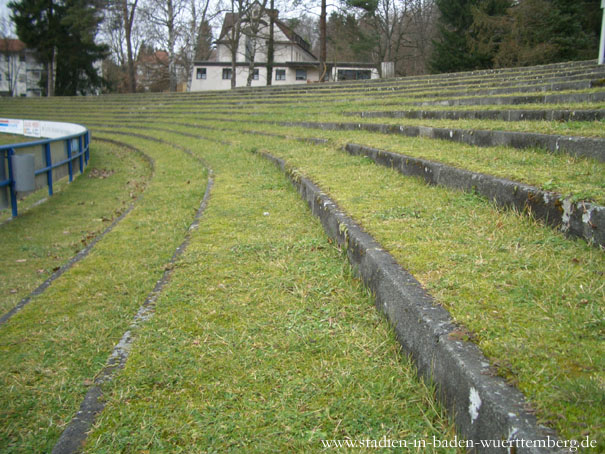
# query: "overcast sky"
{"type": "Point", "coordinates": [5, 12]}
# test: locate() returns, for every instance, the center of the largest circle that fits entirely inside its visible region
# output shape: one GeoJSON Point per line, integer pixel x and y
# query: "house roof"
{"type": "Point", "coordinates": [159, 56]}
{"type": "Point", "coordinates": [295, 38]}
{"type": "Point", "coordinates": [11, 45]}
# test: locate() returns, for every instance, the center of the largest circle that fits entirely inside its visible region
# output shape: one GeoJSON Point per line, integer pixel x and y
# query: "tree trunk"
{"type": "Point", "coordinates": [171, 44]}
{"type": "Point", "coordinates": [251, 64]}
{"type": "Point", "coordinates": [50, 80]}
{"type": "Point", "coordinates": [128, 17]}
{"type": "Point", "coordinates": [234, 41]}
{"type": "Point", "coordinates": [270, 46]}
{"type": "Point", "coordinates": [322, 41]}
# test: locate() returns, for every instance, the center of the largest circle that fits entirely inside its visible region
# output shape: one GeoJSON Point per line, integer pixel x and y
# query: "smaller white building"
{"type": "Point", "coordinates": [293, 62]}
{"type": "Point", "coordinates": [20, 71]}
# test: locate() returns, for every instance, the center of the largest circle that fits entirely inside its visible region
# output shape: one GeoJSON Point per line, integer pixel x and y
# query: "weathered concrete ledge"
{"type": "Point", "coordinates": [503, 115]}
{"type": "Point", "coordinates": [578, 146]}
{"type": "Point", "coordinates": [504, 89]}
{"type": "Point", "coordinates": [581, 219]}
{"type": "Point", "coordinates": [484, 407]}
{"type": "Point", "coordinates": [558, 98]}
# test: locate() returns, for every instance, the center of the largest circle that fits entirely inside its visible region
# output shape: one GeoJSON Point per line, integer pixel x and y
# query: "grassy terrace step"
{"type": "Point", "coordinates": [577, 217]}
{"type": "Point", "coordinates": [516, 288]}
{"type": "Point", "coordinates": [585, 81]}
{"type": "Point", "coordinates": [578, 179]}
{"type": "Point", "coordinates": [577, 146]}
{"type": "Point", "coordinates": [576, 82]}
{"type": "Point", "coordinates": [262, 341]}
{"type": "Point", "coordinates": [502, 115]}
{"type": "Point", "coordinates": [51, 350]}
{"type": "Point", "coordinates": [329, 120]}
{"type": "Point", "coordinates": [158, 111]}
{"type": "Point", "coordinates": [586, 129]}
{"type": "Point", "coordinates": [516, 99]}
{"type": "Point", "coordinates": [336, 103]}
{"type": "Point", "coordinates": [581, 219]}
{"type": "Point", "coordinates": [42, 239]}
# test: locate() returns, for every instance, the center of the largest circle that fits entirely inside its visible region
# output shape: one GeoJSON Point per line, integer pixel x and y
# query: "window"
{"type": "Point", "coordinates": [354, 74]}
{"type": "Point", "coordinates": [22, 57]}
{"type": "Point", "coordinates": [226, 73]}
{"type": "Point", "coordinates": [22, 78]}
{"type": "Point", "coordinates": [255, 74]}
{"type": "Point", "coordinates": [36, 74]}
{"type": "Point", "coordinates": [280, 74]}
{"type": "Point", "coordinates": [301, 74]}
{"type": "Point", "coordinates": [201, 73]}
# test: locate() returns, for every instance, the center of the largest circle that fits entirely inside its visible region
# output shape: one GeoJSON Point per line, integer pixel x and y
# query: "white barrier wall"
{"type": "Point", "coordinates": [36, 128]}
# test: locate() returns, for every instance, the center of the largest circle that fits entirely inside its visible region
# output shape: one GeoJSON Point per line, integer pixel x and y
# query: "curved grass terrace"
{"type": "Point", "coordinates": [263, 339]}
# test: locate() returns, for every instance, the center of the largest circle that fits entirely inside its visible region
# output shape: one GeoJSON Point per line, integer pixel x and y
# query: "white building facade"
{"type": "Point", "coordinates": [20, 71]}
{"type": "Point", "coordinates": [293, 62]}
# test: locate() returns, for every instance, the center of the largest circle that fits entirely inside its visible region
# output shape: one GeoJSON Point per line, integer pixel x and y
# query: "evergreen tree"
{"type": "Point", "coordinates": [452, 51]}
{"type": "Point", "coordinates": [38, 24]}
{"type": "Point", "coordinates": [63, 34]}
{"type": "Point", "coordinates": [77, 52]}
{"type": "Point", "coordinates": [533, 32]}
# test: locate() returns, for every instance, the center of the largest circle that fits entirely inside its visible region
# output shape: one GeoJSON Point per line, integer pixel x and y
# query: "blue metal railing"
{"type": "Point", "coordinates": [77, 147]}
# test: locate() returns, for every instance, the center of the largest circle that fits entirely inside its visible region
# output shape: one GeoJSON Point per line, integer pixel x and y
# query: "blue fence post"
{"type": "Point", "coordinates": [13, 194]}
{"type": "Point", "coordinates": [82, 158]}
{"type": "Point", "coordinates": [87, 146]}
{"type": "Point", "coordinates": [49, 171]}
{"type": "Point", "coordinates": [70, 166]}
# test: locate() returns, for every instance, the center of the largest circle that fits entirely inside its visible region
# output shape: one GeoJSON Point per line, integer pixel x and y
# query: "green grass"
{"type": "Point", "coordinates": [7, 139]}
{"type": "Point", "coordinates": [582, 179]}
{"type": "Point", "coordinates": [263, 341]}
{"type": "Point", "coordinates": [566, 128]}
{"type": "Point", "coordinates": [52, 349]}
{"type": "Point", "coordinates": [44, 237]}
{"type": "Point", "coordinates": [519, 287]}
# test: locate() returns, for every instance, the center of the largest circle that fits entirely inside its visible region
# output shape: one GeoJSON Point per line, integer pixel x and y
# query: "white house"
{"type": "Point", "coordinates": [293, 61]}
{"type": "Point", "coordinates": [20, 71]}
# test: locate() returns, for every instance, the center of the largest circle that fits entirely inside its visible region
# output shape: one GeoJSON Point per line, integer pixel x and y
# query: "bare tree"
{"type": "Point", "coordinates": [323, 52]}
{"type": "Point", "coordinates": [422, 28]}
{"type": "Point", "coordinates": [199, 18]}
{"type": "Point", "coordinates": [271, 43]}
{"type": "Point", "coordinates": [122, 31]}
{"type": "Point", "coordinates": [128, 13]}
{"type": "Point", "coordinates": [323, 35]}
{"type": "Point", "coordinates": [167, 26]}
{"type": "Point", "coordinates": [390, 21]}
{"type": "Point", "coordinates": [253, 36]}
{"type": "Point", "coordinates": [232, 33]}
